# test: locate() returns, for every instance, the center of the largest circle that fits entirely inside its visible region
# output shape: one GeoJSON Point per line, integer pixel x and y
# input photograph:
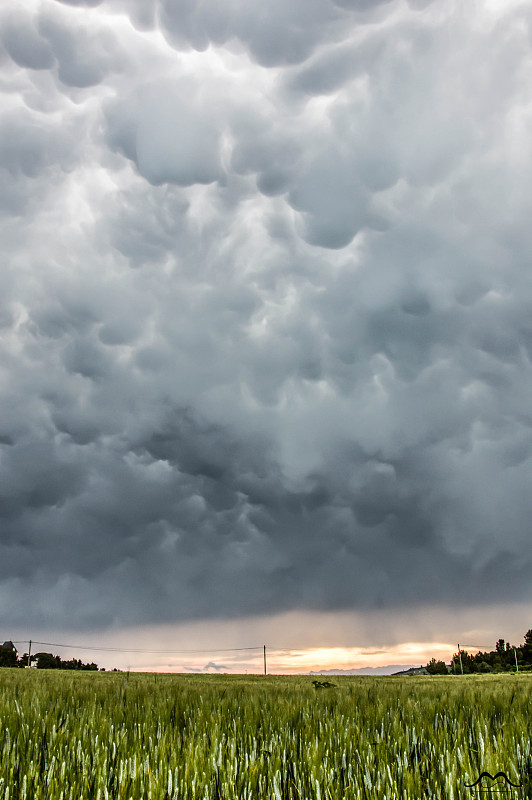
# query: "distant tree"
{"type": "Point", "coordinates": [47, 661]}
{"type": "Point", "coordinates": [527, 648]}
{"type": "Point", "coordinates": [463, 662]}
{"type": "Point", "coordinates": [8, 657]}
{"type": "Point", "coordinates": [502, 659]}
{"type": "Point", "coordinates": [436, 667]}
{"type": "Point", "coordinates": [74, 663]}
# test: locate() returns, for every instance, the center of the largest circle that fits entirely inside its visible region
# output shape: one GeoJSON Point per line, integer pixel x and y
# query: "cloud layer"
{"type": "Point", "coordinates": [265, 308]}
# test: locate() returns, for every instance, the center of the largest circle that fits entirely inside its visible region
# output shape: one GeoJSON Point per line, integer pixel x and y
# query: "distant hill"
{"type": "Point", "coordinates": [413, 671]}
{"type": "Point", "coordinates": [388, 669]}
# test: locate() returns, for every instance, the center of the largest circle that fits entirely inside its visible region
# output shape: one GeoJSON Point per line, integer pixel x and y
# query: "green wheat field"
{"type": "Point", "coordinates": [109, 735]}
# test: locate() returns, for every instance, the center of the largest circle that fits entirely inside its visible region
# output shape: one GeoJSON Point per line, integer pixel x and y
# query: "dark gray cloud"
{"type": "Point", "coordinates": [170, 133]}
{"type": "Point", "coordinates": [265, 309]}
{"type": "Point", "coordinates": [276, 34]}
{"type": "Point", "coordinates": [83, 58]}
{"type": "Point", "coordinates": [23, 42]}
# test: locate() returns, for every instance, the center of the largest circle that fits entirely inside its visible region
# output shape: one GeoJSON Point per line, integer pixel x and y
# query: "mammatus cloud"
{"type": "Point", "coordinates": [265, 308]}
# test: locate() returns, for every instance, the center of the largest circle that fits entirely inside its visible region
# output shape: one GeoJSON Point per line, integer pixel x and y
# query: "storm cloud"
{"type": "Point", "coordinates": [265, 308]}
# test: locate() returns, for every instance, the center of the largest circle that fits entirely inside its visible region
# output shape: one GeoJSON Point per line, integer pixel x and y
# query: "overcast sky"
{"type": "Point", "coordinates": [266, 312]}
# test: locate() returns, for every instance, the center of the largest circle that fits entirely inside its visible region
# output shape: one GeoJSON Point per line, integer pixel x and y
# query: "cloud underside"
{"type": "Point", "coordinates": [265, 308]}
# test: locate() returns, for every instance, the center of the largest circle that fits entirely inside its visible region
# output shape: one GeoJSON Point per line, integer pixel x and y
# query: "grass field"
{"type": "Point", "coordinates": [102, 735]}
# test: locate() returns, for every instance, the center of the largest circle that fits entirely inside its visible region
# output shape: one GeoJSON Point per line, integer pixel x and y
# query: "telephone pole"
{"type": "Point", "coordinates": [460, 654]}
{"type": "Point", "coordinates": [265, 660]}
{"type": "Point", "coordinates": [29, 653]}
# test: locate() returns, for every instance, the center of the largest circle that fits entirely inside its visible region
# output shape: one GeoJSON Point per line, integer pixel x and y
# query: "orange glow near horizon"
{"type": "Point", "coordinates": [358, 657]}
{"type": "Point", "coordinates": [301, 661]}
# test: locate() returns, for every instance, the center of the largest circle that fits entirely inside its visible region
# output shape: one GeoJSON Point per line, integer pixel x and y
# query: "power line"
{"type": "Point", "coordinates": [193, 651]}
{"type": "Point", "coordinates": [141, 650]}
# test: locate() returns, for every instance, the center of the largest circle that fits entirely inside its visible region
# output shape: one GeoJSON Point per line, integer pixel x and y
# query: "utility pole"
{"type": "Point", "coordinates": [265, 660]}
{"type": "Point", "coordinates": [516, 664]}
{"type": "Point", "coordinates": [29, 654]}
{"type": "Point", "coordinates": [460, 654]}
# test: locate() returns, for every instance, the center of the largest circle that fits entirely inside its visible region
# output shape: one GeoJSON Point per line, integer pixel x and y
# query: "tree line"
{"type": "Point", "coordinates": [505, 657]}
{"type": "Point", "coordinates": [10, 658]}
